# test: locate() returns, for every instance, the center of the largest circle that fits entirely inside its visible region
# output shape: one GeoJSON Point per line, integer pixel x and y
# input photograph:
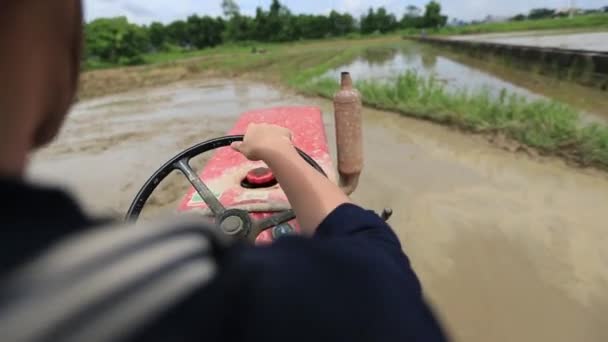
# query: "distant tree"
{"type": "Point", "coordinates": [116, 40]}
{"type": "Point", "coordinates": [386, 21]}
{"type": "Point", "coordinates": [519, 17]}
{"type": "Point", "coordinates": [239, 28]}
{"type": "Point", "coordinates": [307, 26]}
{"type": "Point", "coordinates": [177, 33]}
{"type": "Point", "coordinates": [157, 32]}
{"type": "Point", "coordinates": [204, 31]}
{"type": "Point", "coordinates": [368, 21]}
{"type": "Point", "coordinates": [230, 8]}
{"type": "Point", "coordinates": [378, 21]}
{"type": "Point", "coordinates": [274, 25]}
{"type": "Point", "coordinates": [278, 22]}
{"type": "Point", "coordinates": [412, 17]}
{"type": "Point", "coordinates": [259, 30]}
{"type": "Point", "coordinates": [341, 24]}
{"type": "Point", "coordinates": [432, 16]}
{"type": "Point", "coordinates": [413, 11]}
{"type": "Point", "coordinates": [275, 7]}
{"type": "Point", "coordinates": [541, 13]}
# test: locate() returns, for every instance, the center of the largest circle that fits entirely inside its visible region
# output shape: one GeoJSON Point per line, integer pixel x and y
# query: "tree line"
{"type": "Point", "coordinates": [545, 13]}
{"type": "Point", "coordinates": [117, 41]}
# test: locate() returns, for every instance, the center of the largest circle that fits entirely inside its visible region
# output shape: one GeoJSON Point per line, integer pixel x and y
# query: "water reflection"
{"type": "Point", "coordinates": [429, 61]}
{"type": "Point", "coordinates": [379, 56]}
{"type": "Point", "coordinates": [385, 63]}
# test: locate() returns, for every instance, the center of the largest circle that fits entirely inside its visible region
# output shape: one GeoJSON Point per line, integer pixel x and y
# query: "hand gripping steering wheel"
{"type": "Point", "coordinates": [233, 222]}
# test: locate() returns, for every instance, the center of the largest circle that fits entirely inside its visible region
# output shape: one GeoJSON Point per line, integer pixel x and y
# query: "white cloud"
{"type": "Point", "coordinates": [145, 11]}
{"type": "Point", "coordinates": [150, 10]}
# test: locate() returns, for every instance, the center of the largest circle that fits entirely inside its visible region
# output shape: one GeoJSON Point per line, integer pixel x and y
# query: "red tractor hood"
{"type": "Point", "coordinates": [227, 169]}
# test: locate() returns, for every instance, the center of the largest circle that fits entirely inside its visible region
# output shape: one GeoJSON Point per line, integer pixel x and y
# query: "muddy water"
{"type": "Point", "coordinates": [457, 71]}
{"type": "Point", "coordinates": [508, 248]}
{"type": "Point", "coordinates": [110, 145]}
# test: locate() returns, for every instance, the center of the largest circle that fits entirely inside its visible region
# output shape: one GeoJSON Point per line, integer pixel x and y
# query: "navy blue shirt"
{"type": "Point", "coordinates": [350, 282]}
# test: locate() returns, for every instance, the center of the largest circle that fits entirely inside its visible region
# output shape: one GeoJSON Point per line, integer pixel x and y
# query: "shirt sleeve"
{"type": "Point", "coordinates": [351, 282]}
{"type": "Point", "coordinates": [364, 229]}
{"type": "Point", "coordinates": [352, 220]}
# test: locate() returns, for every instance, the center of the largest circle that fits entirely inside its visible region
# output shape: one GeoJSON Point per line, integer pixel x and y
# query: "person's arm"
{"type": "Point", "coordinates": [312, 196]}
{"type": "Point", "coordinates": [354, 267]}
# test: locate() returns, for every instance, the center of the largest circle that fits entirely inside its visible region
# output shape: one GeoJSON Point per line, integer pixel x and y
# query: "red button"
{"type": "Point", "coordinates": [260, 176]}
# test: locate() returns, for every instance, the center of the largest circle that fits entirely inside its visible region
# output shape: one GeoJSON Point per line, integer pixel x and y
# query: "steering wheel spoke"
{"type": "Point", "coordinates": [274, 220]}
{"type": "Point", "coordinates": [201, 188]}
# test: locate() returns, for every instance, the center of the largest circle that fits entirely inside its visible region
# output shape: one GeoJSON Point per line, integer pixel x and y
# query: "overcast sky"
{"type": "Point", "coordinates": [146, 11]}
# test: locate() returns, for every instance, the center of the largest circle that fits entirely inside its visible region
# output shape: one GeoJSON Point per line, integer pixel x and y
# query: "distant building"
{"type": "Point", "coordinates": [455, 22]}
{"type": "Point", "coordinates": [495, 19]}
{"type": "Point", "coordinates": [566, 11]}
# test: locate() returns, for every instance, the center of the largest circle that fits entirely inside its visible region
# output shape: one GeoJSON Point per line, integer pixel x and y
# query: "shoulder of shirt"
{"type": "Point", "coordinates": [134, 271]}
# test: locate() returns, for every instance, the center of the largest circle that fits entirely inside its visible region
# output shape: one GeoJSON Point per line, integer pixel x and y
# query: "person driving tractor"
{"type": "Point", "coordinates": [347, 279]}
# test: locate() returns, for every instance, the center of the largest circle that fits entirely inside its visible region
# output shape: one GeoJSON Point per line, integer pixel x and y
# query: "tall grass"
{"type": "Point", "coordinates": [591, 21]}
{"type": "Point", "coordinates": [546, 125]}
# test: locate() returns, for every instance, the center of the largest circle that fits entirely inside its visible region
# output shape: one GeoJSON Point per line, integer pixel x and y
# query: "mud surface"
{"type": "Point", "coordinates": [508, 248]}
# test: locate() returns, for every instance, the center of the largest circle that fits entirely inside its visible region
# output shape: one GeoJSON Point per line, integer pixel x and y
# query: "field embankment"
{"type": "Point", "coordinates": [589, 22]}
{"type": "Point", "coordinates": [579, 63]}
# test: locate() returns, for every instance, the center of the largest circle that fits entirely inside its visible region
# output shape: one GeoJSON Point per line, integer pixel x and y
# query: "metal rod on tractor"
{"type": "Point", "coordinates": [349, 137]}
{"type": "Point", "coordinates": [349, 134]}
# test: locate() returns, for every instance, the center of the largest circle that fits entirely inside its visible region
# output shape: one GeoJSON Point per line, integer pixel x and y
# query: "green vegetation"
{"type": "Point", "coordinates": [432, 17]}
{"type": "Point", "coordinates": [594, 21]}
{"type": "Point", "coordinates": [548, 126]}
{"type": "Point", "coordinates": [291, 64]}
{"type": "Point", "coordinates": [115, 41]}
{"type": "Point", "coordinates": [280, 63]}
{"type": "Point", "coordinates": [545, 125]}
{"type": "Point", "coordinates": [380, 21]}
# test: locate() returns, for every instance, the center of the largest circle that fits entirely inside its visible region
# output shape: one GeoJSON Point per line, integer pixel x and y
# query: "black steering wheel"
{"type": "Point", "coordinates": [233, 222]}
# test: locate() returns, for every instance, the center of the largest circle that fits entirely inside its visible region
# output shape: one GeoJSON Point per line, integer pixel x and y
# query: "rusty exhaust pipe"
{"type": "Point", "coordinates": [349, 134]}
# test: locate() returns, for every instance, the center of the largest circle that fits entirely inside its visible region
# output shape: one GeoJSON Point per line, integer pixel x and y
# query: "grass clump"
{"type": "Point", "coordinates": [548, 126]}
{"type": "Point", "coordinates": [590, 21]}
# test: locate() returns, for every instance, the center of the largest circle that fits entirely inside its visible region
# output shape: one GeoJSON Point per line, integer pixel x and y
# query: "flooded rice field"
{"type": "Point", "coordinates": [508, 247]}
{"type": "Point", "coordinates": [458, 72]}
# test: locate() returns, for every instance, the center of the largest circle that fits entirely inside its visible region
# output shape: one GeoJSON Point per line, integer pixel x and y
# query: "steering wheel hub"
{"type": "Point", "coordinates": [232, 225]}
{"type": "Point", "coordinates": [235, 222]}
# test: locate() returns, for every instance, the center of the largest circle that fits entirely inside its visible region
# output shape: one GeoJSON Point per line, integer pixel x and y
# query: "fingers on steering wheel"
{"type": "Point", "coordinates": [236, 145]}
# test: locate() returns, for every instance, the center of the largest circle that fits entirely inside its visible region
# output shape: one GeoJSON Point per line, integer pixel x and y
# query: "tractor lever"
{"type": "Point", "coordinates": [386, 214]}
